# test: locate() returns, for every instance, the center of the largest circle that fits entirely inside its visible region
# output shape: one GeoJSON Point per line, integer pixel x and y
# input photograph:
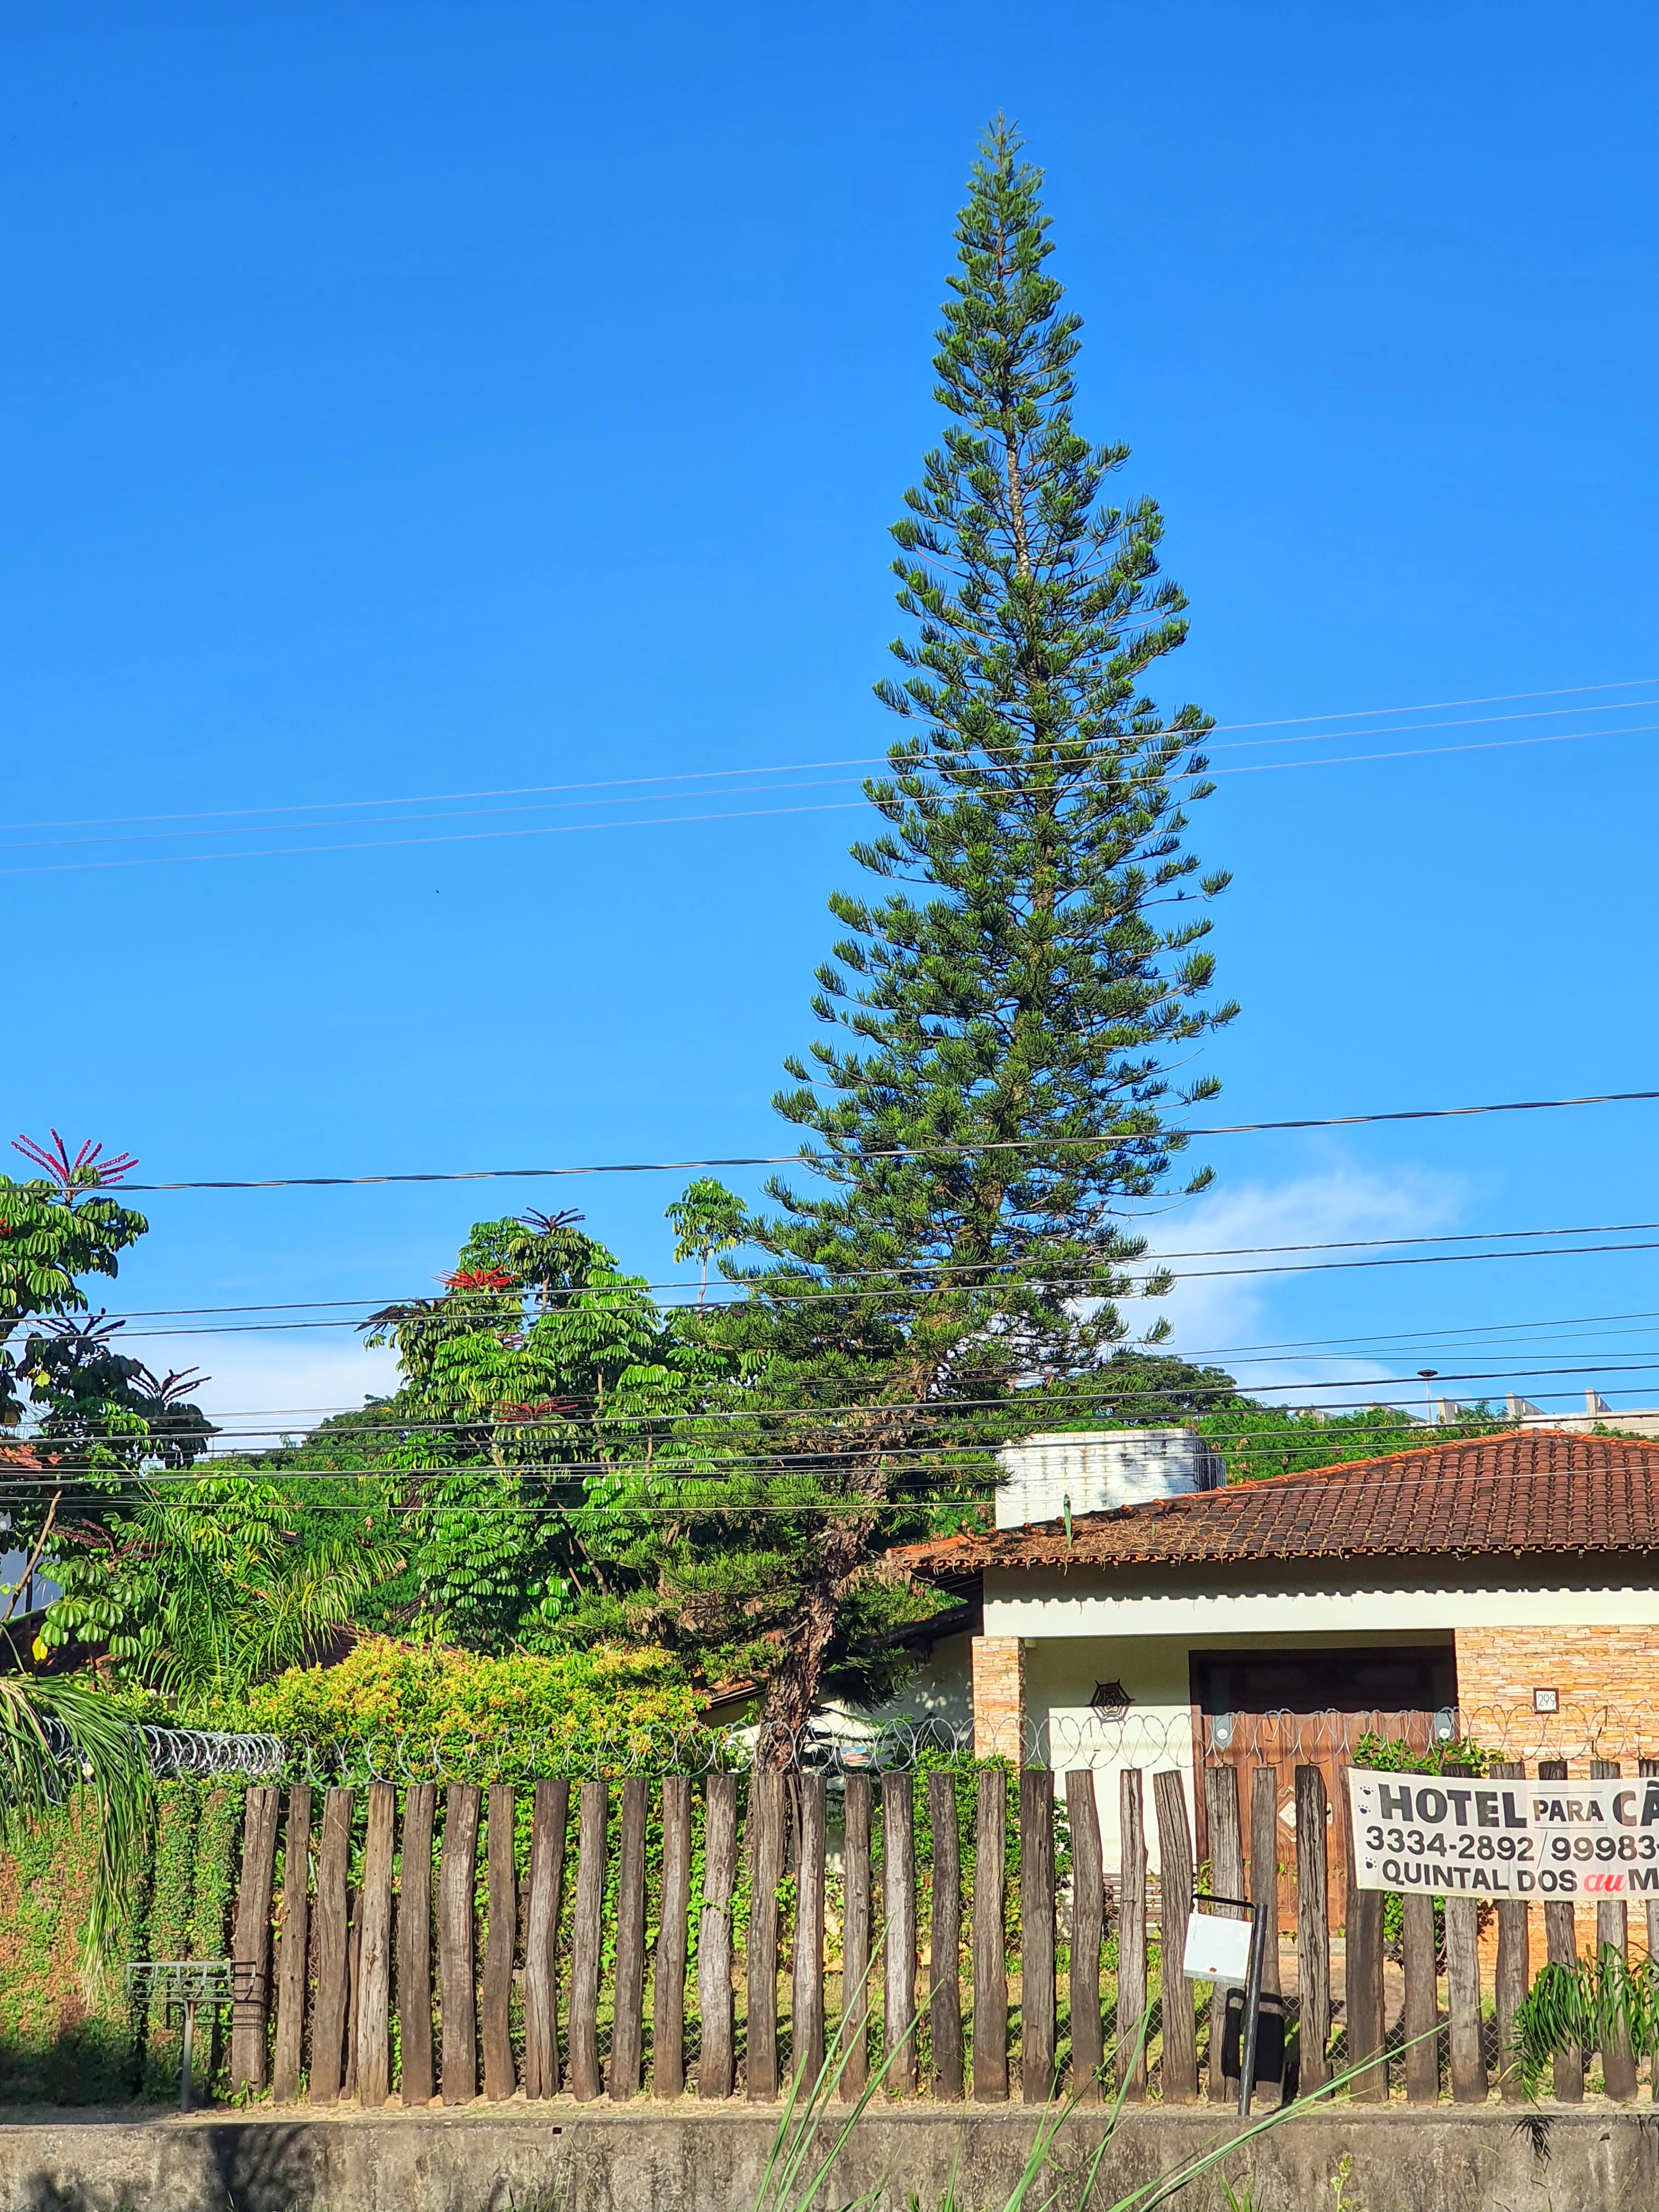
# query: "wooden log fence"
{"type": "Point", "coordinates": [597, 1948]}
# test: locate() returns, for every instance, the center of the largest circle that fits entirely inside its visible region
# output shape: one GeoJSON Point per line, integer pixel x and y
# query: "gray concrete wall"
{"type": "Point", "coordinates": [567, 2158]}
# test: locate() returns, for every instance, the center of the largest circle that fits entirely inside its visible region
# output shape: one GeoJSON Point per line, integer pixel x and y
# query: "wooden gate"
{"type": "Point", "coordinates": [1281, 1709]}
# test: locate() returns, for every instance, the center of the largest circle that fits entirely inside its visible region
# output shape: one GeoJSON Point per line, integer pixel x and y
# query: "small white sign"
{"type": "Point", "coordinates": [1216, 1950]}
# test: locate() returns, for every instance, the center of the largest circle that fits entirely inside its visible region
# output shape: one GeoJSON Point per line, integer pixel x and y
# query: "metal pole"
{"type": "Point", "coordinates": [184, 2069]}
{"type": "Point", "coordinates": [1252, 2014]}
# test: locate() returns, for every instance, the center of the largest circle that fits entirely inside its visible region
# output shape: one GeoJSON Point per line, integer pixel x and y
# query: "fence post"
{"type": "Point", "coordinates": [1468, 2053]}
{"type": "Point", "coordinates": [501, 1942]}
{"type": "Point", "coordinates": [415, 1944]}
{"type": "Point", "coordinates": [457, 1994]}
{"type": "Point", "coordinates": [550, 1817]}
{"type": "Point", "coordinates": [628, 2005]}
{"type": "Point", "coordinates": [806, 2007]}
{"type": "Point", "coordinates": [1363, 1974]}
{"type": "Point", "coordinates": [1561, 1947]}
{"type": "Point", "coordinates": [945, 1939]}
{"type": "Point", "coordinates": [1087, 1933]}
{"type": "Point", "coordinates": [855, 1939]}
{"type": "Point", "coordinates": [1514, 1965]}
{"type": "Point", "coordinates": [1264, 1877]}
{"type": "Point", "coordinates": [1175, 1866]}
{"type": "Point", "coordinates": [1226, 1880]}
{"type": "Point", "coordinates": [587, 1940]}
{"type": "Point", "coordinates": [1612, 1933]}
{"type": "Point", "coordinates": [716, 2066]}
{"type": "Point", "coordinates": [355, 1985]}
{"type": "Point", "coordinates": [1132, 1939]}
{"type": "Point", "coordinates": [1422, 2056]}
{"type": "Point", "coordinates": [1038, 2024]}
{"type": "Point", "coordinates": [1313, 1929]}
{"type": "Point", "coordinates": [765, 1872]}
{"type": "Point", "coordinates": [668, 1977]}
{"type": "Point", "coordinates": [990, 1943]}
{"type": "Point", "coordinates": [292, 1946]}
{"type": "Point", "coordinates": [899, 1861]}
{"type": "Point", "coordinates": [374, 1958]}
{"type": "Point", "coordinates": [328, 2018]}
{"type": "Point", "coordinates": [1264, 1869]}
{"type": "Point", "coordinates": [251, 1944]}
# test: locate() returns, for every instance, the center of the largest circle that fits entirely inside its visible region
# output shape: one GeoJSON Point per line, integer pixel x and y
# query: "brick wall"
{"type": "Point", "coordinates": [1606, 1678]}
{"type": "Point", "coordinates": [999, 1697]}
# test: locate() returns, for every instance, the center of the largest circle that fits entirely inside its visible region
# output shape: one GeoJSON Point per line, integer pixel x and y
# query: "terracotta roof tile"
{"type": "Point", "coordinates": [1532, 1489]}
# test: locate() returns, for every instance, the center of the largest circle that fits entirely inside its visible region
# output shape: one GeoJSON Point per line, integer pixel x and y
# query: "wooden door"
{"type": "Point", "coordinates": [1310, 1708]}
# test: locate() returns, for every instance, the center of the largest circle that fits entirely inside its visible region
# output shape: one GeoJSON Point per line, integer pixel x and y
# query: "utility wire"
{"type": "Point", "coordinates": [880, 1274]}
{"type": "Point", "coordinates": [756, 814]}
{"type": "Point", "coordinates": [871, 760]}
{"type": "Point", "coordinates": [1025, 1406]}
{"type": "Point", "coordinates": [798, 1159]}
{"type": "Point", "coordinates": [438, 1319]}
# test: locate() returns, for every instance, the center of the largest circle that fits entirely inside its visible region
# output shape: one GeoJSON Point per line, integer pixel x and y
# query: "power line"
{"type": "Point", "coordinates": [1255, 1354]}
{"type": "Point", "coordinates": [1025, 1406]}
{"type": "Point", "coordinates": [892, 1501]}
{"type": "Point", "coordinates": [756, 814]}
{"type": "Point", "coordinates": [801, 768]}
{"type": "Point", "coordinates": [887, 1275]}
{"type": "Point", "coordinates": [1428, 752]}
{"type": "Point", "coordinates": [440, 1319]}
{"type": "Point", "coordinates": [1057, 1144]}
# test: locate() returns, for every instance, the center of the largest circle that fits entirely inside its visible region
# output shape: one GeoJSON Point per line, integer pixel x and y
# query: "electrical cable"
{"type": "Point", "coordinates": [439, 1320]}
{"type": "Point", "coordinates": [877, 1274]}
{"type": "Point", "coordinates": [756, 814]}
{"type": "Point", "coordinates": [798, 767]}
{"type": "Point", "coordinates": [918, 1414]}
{"type": "Point", "coordinates": [899, 1152]}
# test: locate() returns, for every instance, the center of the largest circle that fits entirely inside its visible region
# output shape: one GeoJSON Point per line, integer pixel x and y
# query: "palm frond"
{"type": "Point", "coordinates": [54, 1736]}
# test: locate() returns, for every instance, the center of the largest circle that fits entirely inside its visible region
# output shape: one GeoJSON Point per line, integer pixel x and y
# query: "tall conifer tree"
{"type": "Point", "coordinates": [1001, 1017]}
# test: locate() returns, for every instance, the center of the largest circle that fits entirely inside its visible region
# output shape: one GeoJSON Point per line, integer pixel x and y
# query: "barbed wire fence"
{"type": "Point", "coordinates": [1063, 1739]}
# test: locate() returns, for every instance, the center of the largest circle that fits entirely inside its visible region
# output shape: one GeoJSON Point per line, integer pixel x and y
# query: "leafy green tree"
{"type": "Point", "coordinates": [1138, 1388]}
{"type": "Point", "coordinates": [1004, 1019]}
{"type": "Point", "coordinates": [1258, 1440]}
{"type": "Point", "coordinates": [217, 1582]}
{"type": "Point", "coordinates": [55, 1228]}
{"type": "Point", "coordinates": [708, 1221]}
{"type": "Point", "coordinates": [98, 1417]}
{"type": "Point", "coordinates": [537, 1393]}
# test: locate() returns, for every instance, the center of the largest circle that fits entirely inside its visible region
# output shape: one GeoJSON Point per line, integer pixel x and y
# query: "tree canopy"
{"type": "Point", "coordinates": [1002, 1018]}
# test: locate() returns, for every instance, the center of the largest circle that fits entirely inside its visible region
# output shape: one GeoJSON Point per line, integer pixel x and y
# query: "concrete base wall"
{"type": "Point", "coordinates": [567, 2158]}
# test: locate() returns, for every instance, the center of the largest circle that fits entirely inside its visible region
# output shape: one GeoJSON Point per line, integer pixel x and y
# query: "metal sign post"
{"type": "Point", "coordinates": [1229, 1953]}
{"type": "Point", "coordinates": [186, 1984]}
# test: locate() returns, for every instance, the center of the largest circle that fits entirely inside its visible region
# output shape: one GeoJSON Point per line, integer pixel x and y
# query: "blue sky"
{"type": "Point", "coordinates": [441, 400]}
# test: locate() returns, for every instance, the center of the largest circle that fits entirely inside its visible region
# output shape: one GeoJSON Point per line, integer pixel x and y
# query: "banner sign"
{"type": "Point", "coordinates": [1457, 1835]}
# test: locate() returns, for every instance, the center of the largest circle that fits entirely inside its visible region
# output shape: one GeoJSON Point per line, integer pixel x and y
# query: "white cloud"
{"type": "Point", "coordinates": [1213, 1312]}
{"type": "Point", "coordinates": [266, 1387]}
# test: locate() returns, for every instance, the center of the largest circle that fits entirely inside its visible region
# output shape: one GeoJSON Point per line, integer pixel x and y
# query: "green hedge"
{"type": "Point", "coordinates": [64, 2040]}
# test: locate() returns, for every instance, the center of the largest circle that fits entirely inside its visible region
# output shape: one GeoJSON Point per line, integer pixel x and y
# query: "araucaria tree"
{"type": "Point", "coordinates": [1002, 1015]}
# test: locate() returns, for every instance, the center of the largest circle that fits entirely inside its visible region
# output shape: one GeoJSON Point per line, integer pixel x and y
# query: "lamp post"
{"type": "Point", "coordinates": [1425, 1375]}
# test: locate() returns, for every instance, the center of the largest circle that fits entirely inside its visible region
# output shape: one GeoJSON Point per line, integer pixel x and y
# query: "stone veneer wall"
{"type": "Point", "coordinates": [1606, 1679]}
{"type": "Point", "coordinates": [998, 1698]}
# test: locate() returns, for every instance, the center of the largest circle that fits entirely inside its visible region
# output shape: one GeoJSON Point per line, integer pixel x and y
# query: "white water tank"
{"type": "Point", "coordinates": [1100, 1470]}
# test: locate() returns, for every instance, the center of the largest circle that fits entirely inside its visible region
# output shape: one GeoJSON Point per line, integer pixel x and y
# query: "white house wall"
{"type": "Point", "coordinates": [1156, 1733]}
{"type": "Point", "coordinates": [1040, 1605]}
{"type": "Point", "coordinates": [941, 1690]}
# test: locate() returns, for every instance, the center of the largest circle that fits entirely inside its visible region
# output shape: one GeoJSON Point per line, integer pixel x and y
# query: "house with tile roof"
{"type": "Point", "coordinates": [1505, 1586]}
